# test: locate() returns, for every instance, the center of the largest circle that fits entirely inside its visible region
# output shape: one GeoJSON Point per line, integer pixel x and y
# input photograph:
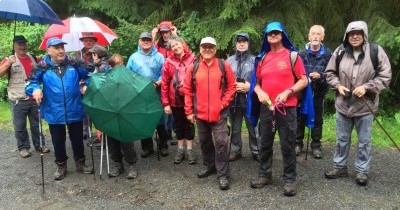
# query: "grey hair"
{"type": "Point", "coordinates": [175, 38]}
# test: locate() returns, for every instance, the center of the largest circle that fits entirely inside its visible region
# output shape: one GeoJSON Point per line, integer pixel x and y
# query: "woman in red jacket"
{"type": "Point", "coordinates": [172, 95]}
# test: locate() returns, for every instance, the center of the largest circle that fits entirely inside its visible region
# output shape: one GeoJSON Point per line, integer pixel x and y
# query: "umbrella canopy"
{"type": "Point", "coordinates": [35, 11]}
{"type": "Point", "coordinates": [123, 104]}
{"type": "Point", "coordinates": [74, 28]}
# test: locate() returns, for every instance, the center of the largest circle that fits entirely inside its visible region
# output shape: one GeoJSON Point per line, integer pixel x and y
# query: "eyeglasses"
{"type": "Point", "coordinates": [88, 40]}
{"type": "Point", "coordinates": [145, 39]}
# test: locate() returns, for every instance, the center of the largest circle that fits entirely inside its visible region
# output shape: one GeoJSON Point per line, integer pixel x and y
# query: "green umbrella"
{"type": "Point", "coordinates": [123, 104]}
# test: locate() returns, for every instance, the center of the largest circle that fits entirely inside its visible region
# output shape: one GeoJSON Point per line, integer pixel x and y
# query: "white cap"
{"type": "Point", "coordinates": [208, 40]}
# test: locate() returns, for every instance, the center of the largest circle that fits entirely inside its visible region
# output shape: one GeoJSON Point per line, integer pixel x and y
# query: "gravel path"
{"type": "Point", "coordinates": [164, 185]}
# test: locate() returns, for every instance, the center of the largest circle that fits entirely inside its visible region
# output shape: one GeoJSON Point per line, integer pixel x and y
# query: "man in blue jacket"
{"type": "Point", "coordinates": [148, 63]}
{"type": "Point", "coordinates": [315, 58]}
{"type": "Point", "coordinates": [60, 103]}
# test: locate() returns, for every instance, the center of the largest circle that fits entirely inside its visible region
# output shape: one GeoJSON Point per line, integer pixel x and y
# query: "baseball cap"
{"type": "Point", "coordinates": [208, 40]}
{"type": "Point", "coordinates": [88, 35]}
{"type": "Point", "coordinates": [20, 39]}
{"type": "Point", "coordinates": [53, 41]}
{"type": "Point", "coordinates": [165, 26]}
{"type": "Point", "coordinates": [99, 50]}
{"type": "Point", "coordinates": [145, 35]}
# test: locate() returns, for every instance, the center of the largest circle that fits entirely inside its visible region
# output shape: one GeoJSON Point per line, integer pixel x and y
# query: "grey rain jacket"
{"type": "Point", "coordinates": [354, 72]}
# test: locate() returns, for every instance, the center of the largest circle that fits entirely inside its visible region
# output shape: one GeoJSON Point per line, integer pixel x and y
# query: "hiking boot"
{"type": "Point", "coordinates": [116, 169]}
{"type": "Point", "coordinates": [336, 173]}
{"type": "Point", "coordinates": [205, 172]}
{"type": "Point", "coordinates": [24, 153]}
{"type": "Point", "coordinates": [82, 167]}
{"type": "Point", "coordinates": [43, 149]}
{"type": "Point", "coordinates": [362, 179]}
{"type": "Point", "coordinates": [289, 189]}
{"type": "Point", "coordinates": [61, 171]}
{"type": "Point", "coordinates": [234, 156]}
{"type": "Point", "coordinates": [224, 183]}
{"type": "Point", "coordinates": [261, 181]}
{"type": "Point", "coordinates": [298, 150]}
{"type": "Point", "coordinates": [147, 153]}
{"type": "Point", "coordinates": [180, 155]}
{"type": "Point", "coordinates": [132, 172]}
{"type": "Point", "coordinates": [191, 157]}
{"type": "Point", "coordinates": [317, 153]}
{"type": "Point", "coordinates": [164, 152]}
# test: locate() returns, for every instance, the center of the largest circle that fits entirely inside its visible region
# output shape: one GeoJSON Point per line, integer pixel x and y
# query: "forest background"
{"type": "Point", "coordinates": [223, 19]}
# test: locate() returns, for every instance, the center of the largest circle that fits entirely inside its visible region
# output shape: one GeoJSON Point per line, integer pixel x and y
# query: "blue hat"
{"type": "Point", "coordinates": [53, 41]}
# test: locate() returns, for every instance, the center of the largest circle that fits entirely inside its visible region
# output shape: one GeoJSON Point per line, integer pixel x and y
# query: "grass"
{"type": "Point", "coordinates": [379, 138]}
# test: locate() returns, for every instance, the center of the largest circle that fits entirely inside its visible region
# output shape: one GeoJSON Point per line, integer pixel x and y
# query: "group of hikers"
{"type": "Point", "coordinates": [206, 92]}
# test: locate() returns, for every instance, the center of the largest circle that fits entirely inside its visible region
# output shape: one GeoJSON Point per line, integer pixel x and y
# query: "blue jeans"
{"type": "Point", "coordinates": [344, 126]}
{"type": "Point", "coordinates": [58, 137]}
{"type": "Point", "coordinates": [286, 125]}
{"type": "Point", "coordinates": [21, 110]}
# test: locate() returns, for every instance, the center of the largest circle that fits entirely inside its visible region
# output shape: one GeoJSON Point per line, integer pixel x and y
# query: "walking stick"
{"type": "Point", "coordinates": [41, 147]}
{"type": "Point", "coordinates": [158, 146]}
{"type": "Point", "coordinates": [308, 141]}
{"type": "Point", "coordinates": [91, 147]}
{"type": "Point", "coordinates": [375, 117]}
{"type": "Point", "coordinates": [107, 158]}
{"type": "Point", "coordinates": [104, 141]}
{"type": "Point", "coordinates": [101, 155]}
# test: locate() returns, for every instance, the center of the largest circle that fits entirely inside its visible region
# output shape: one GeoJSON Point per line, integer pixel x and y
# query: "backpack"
{"type": "Point", "coordinates": [373, 52]}
{"type": "Point", "coordinates": [221, 67]}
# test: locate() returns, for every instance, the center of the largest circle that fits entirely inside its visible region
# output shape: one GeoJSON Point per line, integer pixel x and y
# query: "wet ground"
{"type": "Point", "coordinates": [164, 185]}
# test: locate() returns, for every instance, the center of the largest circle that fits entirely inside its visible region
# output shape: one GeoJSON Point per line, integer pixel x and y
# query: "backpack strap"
{"type": "Point", "coordinates": [195, 67]}
{"type": "Point", "coordinates": [293, 59]}
{"type": "Point", "coordinates": [223, 71]}
{"type": "Point", "coordinates": [373, 52]}
{"type": "Point", "coordinates": [339, 55]}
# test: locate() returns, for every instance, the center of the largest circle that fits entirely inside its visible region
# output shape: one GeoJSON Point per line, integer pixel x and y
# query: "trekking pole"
{"type": "Point", "coordinates": [158, 146]}
{"type": "Point", "coordinates": [108, 160]}
{"type": "Point", "coordinates": [41, 147]}
{"type": "Point", "coordinates": [375, 117]}
{"type": "Point", "coordinates": [91, 147]}
{"type": "Point", "coordinates": [308, 141]}
{"type": "Point", "coordinates": [101, 156]}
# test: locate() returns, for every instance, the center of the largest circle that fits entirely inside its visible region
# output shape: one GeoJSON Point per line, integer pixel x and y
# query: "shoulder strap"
{"type": "Point", "coordinates": [223, 71]}
{"type": "Point", "coordinates": [339, 56]}
{"type": "Point", "coordinates": [373, 52]}
{"type": "Point", "coordinates": [195, 67]}
{"type": "Point", "coordinates": [293, 59]}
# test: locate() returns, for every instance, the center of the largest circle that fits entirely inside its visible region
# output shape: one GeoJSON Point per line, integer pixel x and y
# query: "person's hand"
{"type": "Point", "coordinates": [342, 90]}
{"type": "Point", "coordinates": [263, 97]}
{"type": "Point", "coordinates": [190, 118]}
{"type": "Point", "coordinates": [154, 32]}
{"type": "Point", "coordinates": [167, 110]}
{"type": "Point", "coordinates": [37, 95]}
{"type": "Point", "coordinates": [283, 96]}
{"type": "Point", "coordinates": [242, 87]}
{"type": "Point", "coordinates": [315, 75]}
{"type": "Point", "coordinates": [11, 60]}
{"type": "Point", "coordinates": [359, 91]}
{"type": "Point", "coordinates": [157, 84]}
{"type": "Point", "coordinates": [174, 30]}
{"type": "Point", "coordinates": [83, 89]}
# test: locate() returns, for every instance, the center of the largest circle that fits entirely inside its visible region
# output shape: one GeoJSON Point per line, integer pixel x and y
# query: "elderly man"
{"type": "Point", "coordinates": [18, 67]}
{"type": "Point", "coordinates": [54, 84]}
{"type": "Point", "coordinates": [315, 58]}
{"type": "Point", "coordinates": [209, 87]}
{"type": "Point", "coordinates": [358, 80]}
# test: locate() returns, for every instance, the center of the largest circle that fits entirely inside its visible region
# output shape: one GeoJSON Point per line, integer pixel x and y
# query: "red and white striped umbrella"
{"type": "Point", "coordinates": [74, 28]}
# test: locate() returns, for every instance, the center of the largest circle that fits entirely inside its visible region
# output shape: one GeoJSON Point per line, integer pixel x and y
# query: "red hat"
{"type": "Point", "coordinates": [88, 35]}
{"type": "Point", "coordinates": [164, 26]}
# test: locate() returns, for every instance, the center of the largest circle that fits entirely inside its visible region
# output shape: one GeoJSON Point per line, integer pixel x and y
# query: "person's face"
{"type": "Point", "coordinates": [274, 37]}
{"type": "Point", "coordinates": [165, 35]}
{"type": "Point", "coordinates": [242, 45]}
{"type": "Point", "coordinates": [356, 38]}
{"type": "Point", "coordinates": [88, 42]}
{"type": "Point", "coordinates": [177, 48]}
{"type": "Point", "coordinates": [57, 53]}
{"type": "Point", "coordinates": [316, 36]}
{"type": "Point", "coordinates": [21, 48]}
{"type": "Point", "coordinates": [146, 44]}
{"type": "Point", "coordinates": [208, 51]}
